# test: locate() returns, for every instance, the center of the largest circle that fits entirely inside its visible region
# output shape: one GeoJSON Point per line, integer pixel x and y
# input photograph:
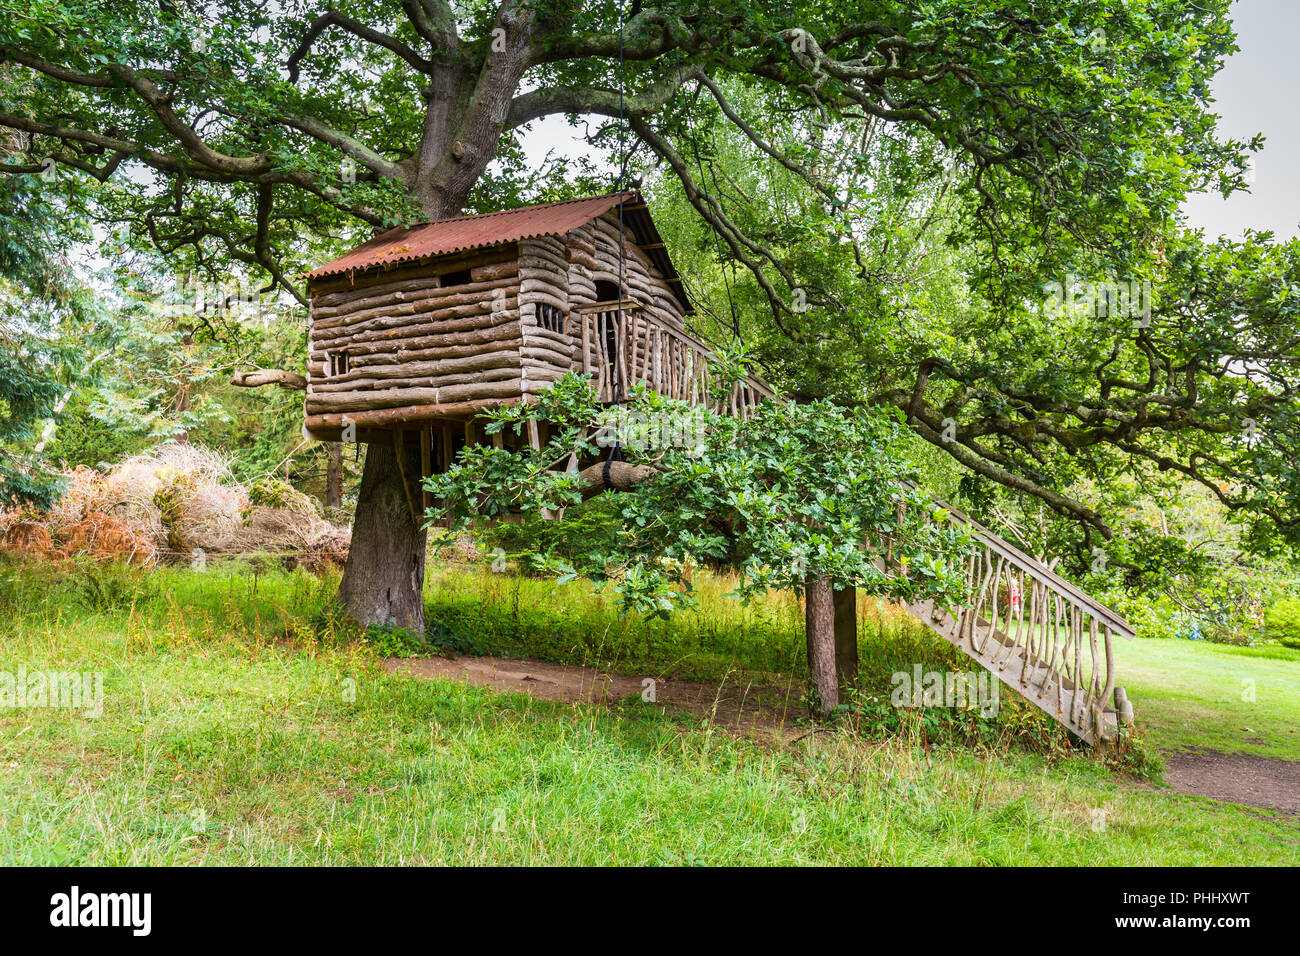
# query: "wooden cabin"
{"type": "Point", "coordinates": [421, 328]}
{"type": "Point", "coordinates": [418, 330]}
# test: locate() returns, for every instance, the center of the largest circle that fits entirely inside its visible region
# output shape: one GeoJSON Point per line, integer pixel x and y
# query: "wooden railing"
{"type": "Point", "coordinates": [1039, 633]}
{"type": "Point", "coordinates": [622, 343]}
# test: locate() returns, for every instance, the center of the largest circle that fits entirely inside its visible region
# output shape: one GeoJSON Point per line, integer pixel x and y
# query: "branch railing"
{"type": "Point", "coordinates": [1020, 611]}
{"type": "Point", "coordinates": [621, 342]}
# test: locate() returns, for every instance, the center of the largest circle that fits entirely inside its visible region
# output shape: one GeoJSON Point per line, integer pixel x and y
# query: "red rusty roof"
{"type": "Point", "coordinates": [461, 233]}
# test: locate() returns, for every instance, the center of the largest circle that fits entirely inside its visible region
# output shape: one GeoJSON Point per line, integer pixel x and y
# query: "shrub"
{"type": "Point", "coordinates": [111, 585]}
{"type": "Point", "coordinates": [586, 527]}
{"type": "Point", "coordinates": [389, 641]}
{"type": "Point", "coordinates": [1150, 615]}
{"type": "Point", "coordinates": [1282, 622]}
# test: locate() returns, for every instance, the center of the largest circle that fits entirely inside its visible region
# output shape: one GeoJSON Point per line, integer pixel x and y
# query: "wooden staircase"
{"type": "Point", "coordinates": [1039, 634]}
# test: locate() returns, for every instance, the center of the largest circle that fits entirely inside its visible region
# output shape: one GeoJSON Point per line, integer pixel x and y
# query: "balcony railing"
{"type": "Point", "coordinates": [621, 342]}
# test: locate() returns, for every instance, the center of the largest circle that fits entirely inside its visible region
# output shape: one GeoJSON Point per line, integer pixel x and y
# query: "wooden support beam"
{"type": "Point", "coordinates": [426, 464]}
{"type": "Point", "coordinates": [399, 449]}
{"type": "Point", "coordinates": [846, 638]}
{"type": "Point", "coordinates": [448, 449]}
{"type": "Point", "coordinates": [406, 414]}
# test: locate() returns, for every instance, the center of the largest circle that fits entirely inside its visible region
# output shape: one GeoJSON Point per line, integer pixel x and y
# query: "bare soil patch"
{"type": "Point", "coordinates": [738, 706]}
{"type": "Point", "coordinates": [1236, 778]}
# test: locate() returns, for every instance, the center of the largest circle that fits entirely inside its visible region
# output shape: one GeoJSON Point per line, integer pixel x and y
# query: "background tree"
{"type": "Point", "coordinates": [42, 302]}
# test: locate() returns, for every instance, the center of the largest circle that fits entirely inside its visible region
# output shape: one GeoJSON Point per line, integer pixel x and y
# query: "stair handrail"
{"type": "Point", "coordinates": [1080, 657]}
{"type": "Point", "coordinates": [1039, 570]}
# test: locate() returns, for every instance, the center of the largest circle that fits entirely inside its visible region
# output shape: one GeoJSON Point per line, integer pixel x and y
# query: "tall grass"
{"type": "Point", "coordinates": [234, 731]}
{"type": "Point", "coordinates": [576, 623]}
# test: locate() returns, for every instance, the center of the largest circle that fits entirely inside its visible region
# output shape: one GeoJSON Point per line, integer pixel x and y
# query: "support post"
{"type": "Point", "coordinates": [819, 628]}
{"type": "Point", "coordinates": [399, 448]}
{"type": "Point", "coordinates": [446, 447]}
{"type": "Point", "coordinates": [333, 474]}
{"type": "Point", "coordinates": [846, 638]}
{"type": "Point", "coordinates": [426, 463]}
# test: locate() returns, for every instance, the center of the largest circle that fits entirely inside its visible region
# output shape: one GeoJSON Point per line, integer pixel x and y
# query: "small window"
{"type": "Point", "coordinates": [459, 277]}
{"type": "Point", "coordinates": [550, 317]}
{"type": "Point", "coordinates": [338, 363]}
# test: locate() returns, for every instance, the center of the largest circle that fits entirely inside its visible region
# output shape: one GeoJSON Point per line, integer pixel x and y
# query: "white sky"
{"type": "Point", "coordinates": [1257, 92]}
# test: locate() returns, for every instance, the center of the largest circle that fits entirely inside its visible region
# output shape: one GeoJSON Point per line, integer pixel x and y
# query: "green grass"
{"type": "Point", "coordinates": [1194, 694]}
{"type": "Point", "coordinates": [235, 733]}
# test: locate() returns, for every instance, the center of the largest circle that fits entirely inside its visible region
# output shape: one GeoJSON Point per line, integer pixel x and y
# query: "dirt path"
{"type": "Point", "coordinates": [1236, 778]}
{"type": "Point", "coordinates": [772, 711]}
{"type": "Point", "coordinates": [744, 707]}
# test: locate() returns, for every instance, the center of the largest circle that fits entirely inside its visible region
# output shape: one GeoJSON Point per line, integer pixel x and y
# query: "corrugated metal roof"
{"type": "Point", "coordinates": [462, 233]}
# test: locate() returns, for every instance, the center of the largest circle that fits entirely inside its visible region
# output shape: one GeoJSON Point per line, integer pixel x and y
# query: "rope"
{"type": "Point", "coordinates": [619, 393]}
{"type": "Point", "coordinates": [619, 385]}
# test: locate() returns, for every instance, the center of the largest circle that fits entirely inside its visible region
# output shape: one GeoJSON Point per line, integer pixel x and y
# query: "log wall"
{"type": "Point", "coordinates": [593, 256]}
{"type": "Point", "coordinates": [410, 339]}
{"type": "Point", "coordinates": [546, 354]}
{"type": "Point", "coordinates": [413, 341]}
{"type": "Point", "coordinates": [562, 273]}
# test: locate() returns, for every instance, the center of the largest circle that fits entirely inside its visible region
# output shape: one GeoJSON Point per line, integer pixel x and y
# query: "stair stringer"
{"type": "Point", "coordinates": [1020, 670]}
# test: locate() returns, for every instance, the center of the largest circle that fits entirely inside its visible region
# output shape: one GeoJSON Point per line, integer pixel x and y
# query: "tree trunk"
{"type": "Point", "coordinates": [819, 627]}
{"type": "Point", "coordinates": [383, 580]}
{"type": "Point", "coordinates": [846, 638]}
{"type": "Point", "coordinates": [333, 474]}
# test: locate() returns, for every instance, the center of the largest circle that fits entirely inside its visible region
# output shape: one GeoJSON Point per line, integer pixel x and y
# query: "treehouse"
{"type": "Point", "coordinates": [418, 330]}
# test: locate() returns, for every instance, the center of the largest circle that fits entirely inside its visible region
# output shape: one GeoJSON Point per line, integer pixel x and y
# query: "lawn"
{"type": "Point", "coordinates": [240, 727]}
{"type": "Point", "coordinates": [1194, 694]}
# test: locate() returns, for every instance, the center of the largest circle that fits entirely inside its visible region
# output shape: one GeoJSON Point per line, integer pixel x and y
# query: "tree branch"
{"type": "Point", "coordinates": [369, 34]}
{"type": "Point", "coordinates": [291, 381]}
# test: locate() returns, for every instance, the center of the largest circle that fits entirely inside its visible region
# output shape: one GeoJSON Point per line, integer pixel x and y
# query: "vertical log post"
{"type": "Point", "coordinates": [333, 475]}
{"type": "Point", "coordinates": [426, 463]}
{"type": "Point", "coordinates": [447, 448]}
{"type": "Point", "coordinates": [846, 637]}
{"type": "Point", "coordinates": [819, 627]}
{"type": "Point", "coordinates": [399, 449]}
